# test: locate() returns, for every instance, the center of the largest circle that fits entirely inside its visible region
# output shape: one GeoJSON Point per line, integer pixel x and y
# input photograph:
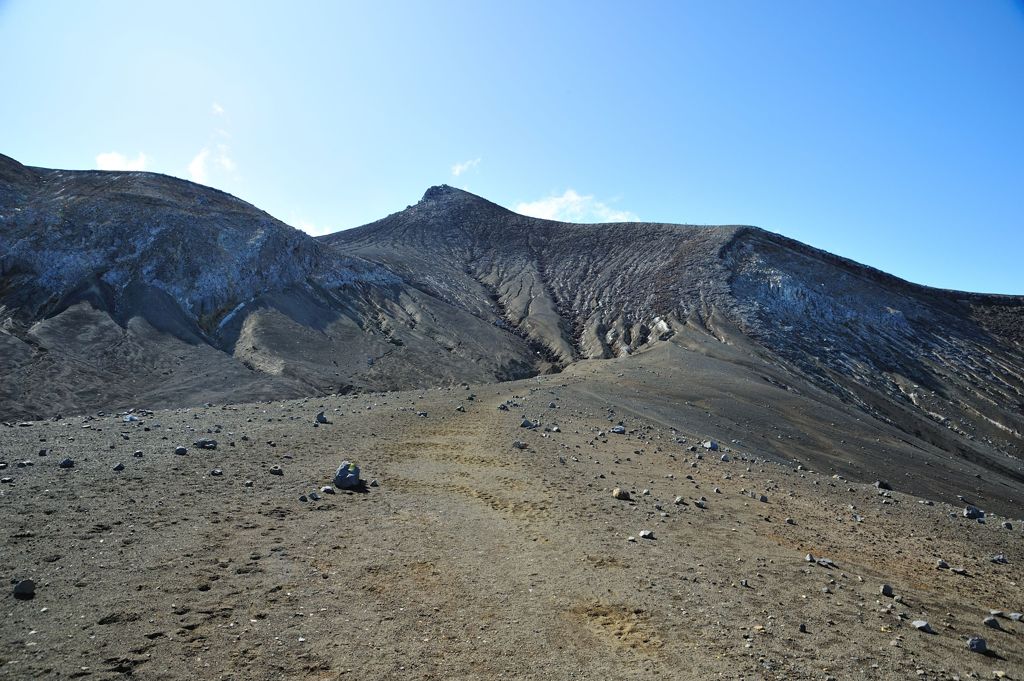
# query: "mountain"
{"type": "Point", "coordinates": [120, 289]}
{"type": "Point", "coordinates": [134, 289]}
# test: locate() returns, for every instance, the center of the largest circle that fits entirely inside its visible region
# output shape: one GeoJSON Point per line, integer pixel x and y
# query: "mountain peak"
{"type": "Point", "coordinates": [442, 191]}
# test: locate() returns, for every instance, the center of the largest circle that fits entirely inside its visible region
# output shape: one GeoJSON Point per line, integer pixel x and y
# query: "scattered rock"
{"type": "Point", "coordinates": [216, 472]}
{"type": "Point", "coordinates": [180, 451]}
{"type": "Point", "coordinates": [710, 445]}
{"type": "Point", "coordinates": [347, 476]}
{"type": "Point", "coordinates": [119, 467]}
{"type": "Point", "coordinates": [137, 453]}
{"type": "Point", "coordinates": [976, 644]}
{"type": "Point", "coordinates": [327, 489]}
{"type": "Point", "coordinates": [519, 444]}
{"type": "Point", "coordinates": [886, 591]}
{"type": "Point", "coordinates": [646, 534]}
{"type": "Point", "coordinates": [1000, 559]}
{"type": "Point", "coordinates": [321, 418]}
{"type": "Point", "coordinates": [374, 483]}
{"type": "Point", "coordinates": [619, 430]}
{"type": "Point", "coordinates": [620, 494]}
{"type": "Point", "coordinates": [205, 443]}
{"type": "Point", "coordinates": [922, 625]}
{"type": "Point", "coordinates": [941, 565]}
{"type": "Point", "coordinates": [973, 512]}
{"type": "Point", "coordinates": [276, 470]}
{"type": "Point", "coordinates": [883, 485]}
{"type": "Point", "coordinates": [67, 463]}
{"type": "Point", "coordinates": [314, 496]}
{"type": "Point", "coordinates": [991, 622]}
{"type": "Point", "coordinates": [25, 589]}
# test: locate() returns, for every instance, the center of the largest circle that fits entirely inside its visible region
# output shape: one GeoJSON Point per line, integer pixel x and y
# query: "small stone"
{"type": "Point", "coordinates": [321, 418]}
{"type": "Point", "coordinates": [1007, 525]}
{"type": "Point", "coordinates": [809, 558]}
{"type": "Point", "coordinates": [216, 472]}
{"type": "Point", "coordinates": [631, 539]}
{"type": "Point", "coordinates": [518, 444]}
{"type": "Point", "coordinates": [941, 565]}
{"type": "Point", "coordinates": [314, 496]}
{"type": "Point", "coordinates": [1016, 616]}
{"type": "Point", "coordinates": [646, 492]}
{"type": "Point", "coordinates": [205, 443]}
{"type": "Point", "coordinates": [460, 408]}
{"type": "Point", "coordinates": [678, 501]}
{"type": "Point", "coordinates": [180, 451]}
{"type": "Point", "coordinates": [803, 628]}
{"type": "Point", "coordinates": [710, 445]}
{"type": "Point", "coordinates": [119, 467]}
{"type": "Point", "coordinates": [973, 513]}
{"type": "Point", "coordinates": [646, 534]}
{"type": "Point", "coordinates": [620, 494]}
{"type": "Point", "coordinates": [886, 591]}
{"type": "Point", "coordinates": [248, 483]}
{"type": "Point", "coordinates": [374, 483]}
{"type": "Point", "coordinates": [883, 485]}
{"type": "Point", "coordinates": [991, 622]}
{"type": "Point", "coordinates": [67, 463]}
{"type": "Point", "coordinates": [790, 521]}
{"type": "Point", "coordinates": [25, 589]}
{"type": "Point", "coordinates": [137, 453]}
{"type": "Point", "coordinates": [527, 423]}
{"type": "Point", "coordinates": [276, 470]}
{"type": "Point", "coordinates": [976, 644]}
{"type": "Point", "coordinates": [327, 489]}
{"type": "Point", "coordinates": [922, 625]}
{"type": "Point", "coordinates": [302, 497]}
{"type": "Point", "coordinates": [1000, 559]}
{"type": "Point", "coordinates": [619, 430]}
{"type": "Point", "coordinates": [725, 458]}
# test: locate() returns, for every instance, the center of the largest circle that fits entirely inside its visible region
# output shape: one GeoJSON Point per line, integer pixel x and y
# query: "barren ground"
{"type": "Point", "coordinates": [474, 559]}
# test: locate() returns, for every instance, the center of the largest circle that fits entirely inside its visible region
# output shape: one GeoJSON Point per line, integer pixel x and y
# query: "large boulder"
{"type": "Point", "coordinates": [347, 476]}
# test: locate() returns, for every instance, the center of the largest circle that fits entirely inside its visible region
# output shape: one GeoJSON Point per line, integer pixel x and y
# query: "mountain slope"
{"type": "Point", "coordinates": [944, 368]}
{"type": "Point", "coordinates": [133, 289]}
{"type": "Point", "coordinates": [122, 289]}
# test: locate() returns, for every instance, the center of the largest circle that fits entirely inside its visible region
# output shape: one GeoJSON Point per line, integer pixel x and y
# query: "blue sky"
{"type": "Point", "coordinates": [891, 133]}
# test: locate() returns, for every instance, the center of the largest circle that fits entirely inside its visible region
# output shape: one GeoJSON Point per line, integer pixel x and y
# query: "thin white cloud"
{"type": "Point", "coordinates": [574, 207]}
{"type": "Point", "coordinates": [224, 159]}
{"type": "Point", "coordinates": [218, 110]}
{"type": "Point", "coordinates": [311, 228]}
{"type": "Point", "coordinates": [464, 166]}
{"type": "Point", "coordinates": [112, 160]}
{"type": "Point", "coordinates": [197, 167]}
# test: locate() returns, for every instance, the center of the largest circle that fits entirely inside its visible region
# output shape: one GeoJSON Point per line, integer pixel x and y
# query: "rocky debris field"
{"type": "Point", "coordinates": [552, 528]}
